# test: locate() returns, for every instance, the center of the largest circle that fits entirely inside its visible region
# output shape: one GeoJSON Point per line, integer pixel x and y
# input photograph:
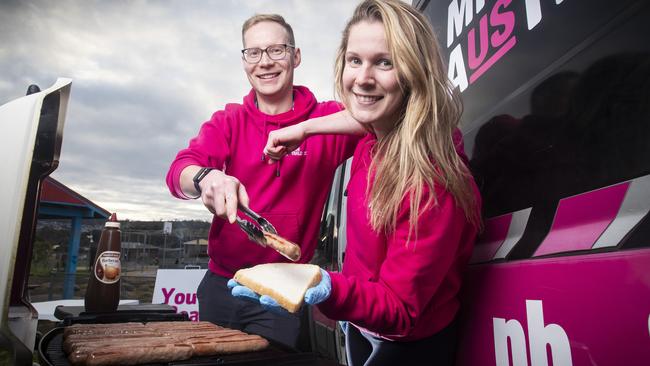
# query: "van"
{"type": "Point", "coordinates": [556, 125]}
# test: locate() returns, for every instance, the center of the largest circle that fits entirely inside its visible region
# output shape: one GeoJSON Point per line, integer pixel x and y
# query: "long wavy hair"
{"type": "Point", "coordinates": [402, 160]}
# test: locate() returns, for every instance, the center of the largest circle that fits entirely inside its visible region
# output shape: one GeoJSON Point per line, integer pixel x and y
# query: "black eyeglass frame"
{"type": "Point", "coordinates": [265, 50]}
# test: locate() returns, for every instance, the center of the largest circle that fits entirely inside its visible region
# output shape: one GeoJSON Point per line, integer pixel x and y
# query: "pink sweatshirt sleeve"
{"type": "Point", "coordinates": [210, 148]}
{"type": "Point", "coordinates": [344, 144]}
{"type": "Point", "coordinates": [409, 276]}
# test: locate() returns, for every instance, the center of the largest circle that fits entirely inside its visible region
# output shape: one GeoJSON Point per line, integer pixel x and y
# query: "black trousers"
{"type": "Point", "coordinates": [364, 349]}
{"type": "Point", "coordinates": [217, 305]}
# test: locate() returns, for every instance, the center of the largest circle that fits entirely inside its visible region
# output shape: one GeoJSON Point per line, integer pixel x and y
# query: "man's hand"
{"type": "Point", "coordinates": [283, 141]}
{"type": "Point", "coordinates": [221, 193]}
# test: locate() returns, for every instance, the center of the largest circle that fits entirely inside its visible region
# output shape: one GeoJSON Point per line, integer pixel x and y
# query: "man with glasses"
{"type": "Point", "coordinates": [224, 166]}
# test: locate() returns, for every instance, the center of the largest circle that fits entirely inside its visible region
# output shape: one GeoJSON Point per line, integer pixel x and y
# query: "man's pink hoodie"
{"type": "Point", "coordinates": [290, 194]}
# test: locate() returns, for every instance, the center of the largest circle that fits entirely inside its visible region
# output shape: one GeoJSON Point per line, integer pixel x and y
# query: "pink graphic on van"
{"type": "Point", "coordinates": [501, 41]}
{"type": "Point", "coordinates": [580, 220]}
{"type": "Point", "coordinates": [495, 37]}
{"type": "Point", "coordinates": [484, 67]}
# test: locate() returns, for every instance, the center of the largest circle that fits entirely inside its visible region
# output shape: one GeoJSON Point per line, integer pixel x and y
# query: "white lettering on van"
{"type": "Point", "coordinates": [456, 71]}
{"type": "Point", "coordinates": [509, 329]}
{"type": "Point", "coordinates": [534, 12]}
{"type": "Point", "coordinates": [456, 12]}
{"type": "Point", "coordinates": [539, 335]}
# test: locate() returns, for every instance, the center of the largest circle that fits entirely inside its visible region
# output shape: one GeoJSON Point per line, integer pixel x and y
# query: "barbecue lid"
{"type": "Point", "coordinates": [30, 144]}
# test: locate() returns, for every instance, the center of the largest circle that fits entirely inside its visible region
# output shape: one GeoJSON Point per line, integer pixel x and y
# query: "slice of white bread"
{"type": "Point", "coordinates": [284, 282]}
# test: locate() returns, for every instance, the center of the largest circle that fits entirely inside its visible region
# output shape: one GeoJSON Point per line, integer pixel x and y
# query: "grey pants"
{"type": "Point", "coordinates": [217, 305]}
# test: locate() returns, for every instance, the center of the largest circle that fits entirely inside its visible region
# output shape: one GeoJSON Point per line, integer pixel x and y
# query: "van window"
{"type": "Point", "coordinates": [556, 97]}
{"type": "Point", "coordinates": [565, 110]}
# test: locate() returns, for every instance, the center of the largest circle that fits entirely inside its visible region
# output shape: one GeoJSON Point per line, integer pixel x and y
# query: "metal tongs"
{"type": "Point", "coordinates": [253, 231]}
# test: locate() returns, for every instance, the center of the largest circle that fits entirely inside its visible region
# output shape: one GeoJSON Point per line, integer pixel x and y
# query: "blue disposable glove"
{"type": "Point", "coordinates": [321, 292]}
{"type": "Point", "coordinates": [313, 296]}
{"type": "Point", "coordinates": [238, 290]}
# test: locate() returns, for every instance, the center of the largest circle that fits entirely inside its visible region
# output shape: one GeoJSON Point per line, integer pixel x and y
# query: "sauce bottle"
{"type": "Point", "coordinates": [103, 291]}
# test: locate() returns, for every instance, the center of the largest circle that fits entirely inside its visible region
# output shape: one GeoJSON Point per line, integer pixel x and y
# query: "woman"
{"type": "Point", "coordinates": [413, 208]}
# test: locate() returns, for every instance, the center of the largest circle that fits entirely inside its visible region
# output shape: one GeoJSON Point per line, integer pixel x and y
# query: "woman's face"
{"type": "Point", "coordinates": [370, 81]}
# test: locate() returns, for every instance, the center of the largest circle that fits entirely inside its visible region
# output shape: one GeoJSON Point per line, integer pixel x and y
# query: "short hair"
{"type": "Point", "coordinates": [275, 18]}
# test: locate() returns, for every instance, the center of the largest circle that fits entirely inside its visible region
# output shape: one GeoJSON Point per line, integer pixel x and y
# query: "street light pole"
{"type": "Point", "coordinates": [167, 229]}
{"type": "Point", "coordinates": [164, 249]}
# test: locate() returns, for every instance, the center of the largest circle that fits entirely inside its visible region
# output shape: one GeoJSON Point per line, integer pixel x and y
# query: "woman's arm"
{"type": "Point", "coordinates": [285, 140]}
{"type": "Point", "coordinates": [410, 276]}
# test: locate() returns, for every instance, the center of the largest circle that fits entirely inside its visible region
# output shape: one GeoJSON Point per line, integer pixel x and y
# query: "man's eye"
{"type": "Point", "coordinates": [276, 50]}
{"type": "Point", "coordinates": [254, 52]}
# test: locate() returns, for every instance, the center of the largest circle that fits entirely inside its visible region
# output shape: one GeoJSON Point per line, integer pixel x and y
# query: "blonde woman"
{"type": "Point", "coordinates": [413, 207]}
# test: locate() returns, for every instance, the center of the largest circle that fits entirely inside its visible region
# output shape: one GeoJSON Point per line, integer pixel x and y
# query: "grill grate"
{"type": "Point", "coordinates": [51, 354]}
{"type": "Point", "coordinates": [54, 349]}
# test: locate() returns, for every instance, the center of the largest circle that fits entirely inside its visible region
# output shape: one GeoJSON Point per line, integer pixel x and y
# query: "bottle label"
{"type": "Point", "coordinates": [108, 267]}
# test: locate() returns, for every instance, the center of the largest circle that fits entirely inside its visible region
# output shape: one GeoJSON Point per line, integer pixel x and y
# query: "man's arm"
{"type": "Point", "coordinates": [285, 140]}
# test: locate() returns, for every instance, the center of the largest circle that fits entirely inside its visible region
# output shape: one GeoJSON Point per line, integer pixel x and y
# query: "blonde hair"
{"type": "Point", "coordinates": [275, 18]}
{"type": "Point", "coordinates": [402, 160]}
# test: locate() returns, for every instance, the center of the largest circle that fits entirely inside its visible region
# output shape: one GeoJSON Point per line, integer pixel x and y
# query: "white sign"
{"type": "Point", "coordinates": [177, 287]}
{"type": "Point", "coordinates": [167, 228]}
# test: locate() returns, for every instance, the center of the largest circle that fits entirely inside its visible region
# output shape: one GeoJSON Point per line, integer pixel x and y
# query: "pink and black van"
{"type": "Point", "coordinates": [557, 127]}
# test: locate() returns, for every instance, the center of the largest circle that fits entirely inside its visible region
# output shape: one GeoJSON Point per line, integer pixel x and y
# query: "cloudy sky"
{"type": "Point", "coordinates": [145, 75]}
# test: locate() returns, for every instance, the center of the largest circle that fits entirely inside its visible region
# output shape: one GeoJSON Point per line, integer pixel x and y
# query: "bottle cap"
{"type": "Point", "coordinates": [112, 222]}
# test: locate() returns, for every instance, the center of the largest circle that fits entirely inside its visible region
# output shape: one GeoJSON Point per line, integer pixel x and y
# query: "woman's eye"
{"type": "Point", "coordinates": [354, 61]}
{"type": "Point", "coordinates": [386, 64]}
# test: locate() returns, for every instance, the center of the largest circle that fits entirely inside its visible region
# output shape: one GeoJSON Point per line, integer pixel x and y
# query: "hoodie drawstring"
{"type": "Point", "coordinates": [277, 164]}
{"type": "Point", "coordinates": [267, 137]}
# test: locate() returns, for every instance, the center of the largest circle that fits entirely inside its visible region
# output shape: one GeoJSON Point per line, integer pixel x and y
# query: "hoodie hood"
{"type": "Point", "coordinates": [303, 103]}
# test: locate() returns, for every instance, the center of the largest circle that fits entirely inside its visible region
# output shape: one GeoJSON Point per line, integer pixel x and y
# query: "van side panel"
{"type": "Point", "coordinates": [598, 303]}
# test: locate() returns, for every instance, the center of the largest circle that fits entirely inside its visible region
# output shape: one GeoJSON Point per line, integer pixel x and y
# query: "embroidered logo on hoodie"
{"type": "Point", "coordinates": [298, 152]}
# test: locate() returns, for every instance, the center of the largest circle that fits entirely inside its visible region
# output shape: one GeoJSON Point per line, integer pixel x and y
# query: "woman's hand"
{"type": "Point", "coordinates": [283, 141]}
{"type": "Point", "coordinates": [314, 295]}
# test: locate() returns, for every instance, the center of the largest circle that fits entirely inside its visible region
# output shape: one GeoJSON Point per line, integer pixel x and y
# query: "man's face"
{"type": "Point", "coordinates": [270, 78]}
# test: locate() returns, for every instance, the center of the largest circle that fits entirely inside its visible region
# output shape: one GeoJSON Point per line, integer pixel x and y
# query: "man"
{"type": "Point", "coordinates": [224, 166]}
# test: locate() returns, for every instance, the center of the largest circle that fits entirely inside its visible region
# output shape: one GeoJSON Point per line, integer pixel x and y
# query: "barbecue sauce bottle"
{"type": "Point", "coordinates": [103, 291]}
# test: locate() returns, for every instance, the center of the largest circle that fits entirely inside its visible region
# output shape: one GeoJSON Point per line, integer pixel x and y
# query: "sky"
{"type": "Point", "coordinates": [145, 76]}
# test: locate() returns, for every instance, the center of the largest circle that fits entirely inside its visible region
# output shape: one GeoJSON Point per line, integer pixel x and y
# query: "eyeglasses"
{"type": "Point", "coordinates": [275, 52]}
